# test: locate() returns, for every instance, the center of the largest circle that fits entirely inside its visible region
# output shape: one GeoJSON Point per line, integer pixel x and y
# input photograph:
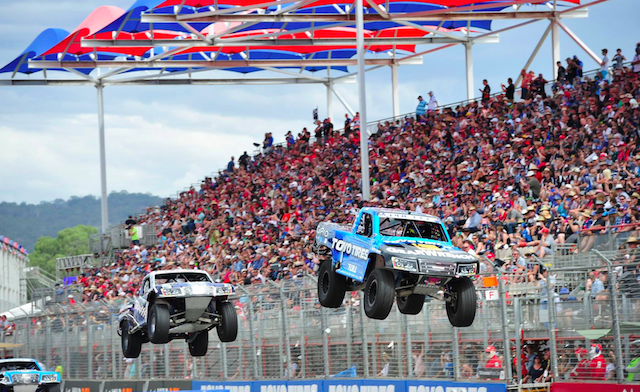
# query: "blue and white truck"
{"type": "Point", "coordinates": [396, 255]}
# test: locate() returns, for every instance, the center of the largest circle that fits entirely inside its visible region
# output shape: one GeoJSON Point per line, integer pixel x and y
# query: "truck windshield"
{"type": "Point", "coordinates": [181, 277]}
{"type": "Point", "coordinates": [412, 228]}
{"type": "Point", "coordinates": [18, 365]}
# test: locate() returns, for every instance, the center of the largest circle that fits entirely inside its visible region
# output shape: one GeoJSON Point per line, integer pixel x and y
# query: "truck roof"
{"type": "Point", "coordinates": [9, 360]}
{"type": "Point", "coordinates": [177, 271]}
{"type": "Point", "coordinates": [380, 210]}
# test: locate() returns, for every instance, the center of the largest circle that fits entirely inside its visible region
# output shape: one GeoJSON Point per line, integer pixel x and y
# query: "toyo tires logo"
{"type": "Point", "coordinates": [350, 249]}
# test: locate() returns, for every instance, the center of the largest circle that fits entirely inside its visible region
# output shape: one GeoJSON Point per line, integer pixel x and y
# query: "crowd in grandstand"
{"type": "Point", "coordinates": [514, 180]}
{"type": "Point", "coordinates": [511, 180]}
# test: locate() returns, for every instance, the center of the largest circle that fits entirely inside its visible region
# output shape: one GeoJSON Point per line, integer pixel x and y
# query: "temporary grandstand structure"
{"type": "Point", "coordinates": [173, 42]}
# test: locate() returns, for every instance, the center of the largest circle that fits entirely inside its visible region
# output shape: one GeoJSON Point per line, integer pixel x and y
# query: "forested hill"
{"type": "Point", "coordinates": [25, 223]}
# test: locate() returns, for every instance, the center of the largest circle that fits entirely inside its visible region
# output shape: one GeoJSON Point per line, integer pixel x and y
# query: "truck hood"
{"type": "Point", "coordinates": [418, 248]}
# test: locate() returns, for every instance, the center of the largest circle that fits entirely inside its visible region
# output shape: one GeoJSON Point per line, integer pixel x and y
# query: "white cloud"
{"type": "Point", "coordinates": [160, 154]}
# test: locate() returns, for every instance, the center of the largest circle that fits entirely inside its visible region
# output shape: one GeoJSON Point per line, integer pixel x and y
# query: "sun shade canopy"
{"type": "Point", "coordinates": [256, 35]}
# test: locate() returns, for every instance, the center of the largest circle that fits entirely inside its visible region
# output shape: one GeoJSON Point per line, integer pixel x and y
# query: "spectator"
{"type": "Point", "coordinates": [618, 59]}
{"type": "Point", "coordinates": [433, 102]}
{"type": "Point", "coordinates": [486, 91]}
{"type": "Point", "coordinates": [535, 374]}
{"type": "Point", "coordinates": [493, 360]}
{"type": "Point", "coordinates": [526, 84]}
{"type": "Point", "coordinates": [605, 63]}
{"type": "Point", "coordinates": [597, 364]}
{"type": "Point", "coordinates": [509, 90]}
{"type": "Point", "coordinates": [598, 291]}
{"type": "Point", "coordinates": [421, 108]}
{"type": "Point", "coordinates": [561, 73]}
{"type": "Point", "coordinates": [419, 367]}
{"type": "Point", "coordinates": [636, 61]}
{"type": "Point", "coordinates": [231, 166]}
{"type": "Point", "coordinates": [347, 124]}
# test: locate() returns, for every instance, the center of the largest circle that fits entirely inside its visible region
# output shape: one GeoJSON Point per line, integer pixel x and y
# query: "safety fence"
{"type": "Point", "coordinates": [284, 333]}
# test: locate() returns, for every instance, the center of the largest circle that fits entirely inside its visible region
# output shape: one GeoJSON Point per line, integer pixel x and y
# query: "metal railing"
{"type": "Point", "coordinates": [284, 333]}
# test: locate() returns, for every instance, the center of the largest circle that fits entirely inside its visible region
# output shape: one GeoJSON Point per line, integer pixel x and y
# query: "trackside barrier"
{"type": "Point", "coordinates": [328, 385]}
{"type": "Point", "coordinates": [600, 387]}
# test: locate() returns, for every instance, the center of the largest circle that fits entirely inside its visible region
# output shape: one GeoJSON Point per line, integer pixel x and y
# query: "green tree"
{"type": "Point", "coordinates": [71, 241]}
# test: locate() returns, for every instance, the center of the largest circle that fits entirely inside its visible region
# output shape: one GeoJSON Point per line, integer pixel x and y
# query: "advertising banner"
{"type": "Point", "coordinates": [168, 385]}
{"type": "Point", "coordinates": [81, 386]}
{"type": "Point", "coordinates": [600, 387]}
{"type": "Point", "coordinates": [123, 386]}
{"type": "Point", "coordinates": [351, 385]}
{"type": "Point", "coordinates": [450, 386]}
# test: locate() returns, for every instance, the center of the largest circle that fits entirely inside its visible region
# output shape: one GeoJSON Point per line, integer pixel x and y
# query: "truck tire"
{"type": "Point", "coordinates": [411, 304]}
{"type": "Point", "coordinates": [461, 310]}
{"type": "Point", "coordinates": [228, 327]}
{"type": "Point", "coordinates": [379, 293]}
{"type": "Point", "coordinates": [131, 343]}
{"type": "Point", "coordinates": [331, 286]}
{"type": "Point", "coordinates": [158, 324]}
{"type": "Point", "coordinates": [200, 344]}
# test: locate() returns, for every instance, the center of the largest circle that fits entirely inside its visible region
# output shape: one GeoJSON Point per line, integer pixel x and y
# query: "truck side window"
{"type": "Point", "coordinates": [365, 227]}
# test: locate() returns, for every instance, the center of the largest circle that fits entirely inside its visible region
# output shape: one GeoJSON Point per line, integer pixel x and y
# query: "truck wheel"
{"type": "Point", "coordinates": [131, 343]}
{"type": "Point", "coordinates": [461, 310]}
{"type": "Point", "coordinates": [228, 327]}
{"type": "Point", "coordinates": [198, 347]}
{"type": "Point", "coordinates": [411, 304]}
{"type": "Point", "coordinates": [331, 286]}
{"type": "Point", "coordinates": [379, 293]}
{"type": "Point", "coordinates": [158, 324]}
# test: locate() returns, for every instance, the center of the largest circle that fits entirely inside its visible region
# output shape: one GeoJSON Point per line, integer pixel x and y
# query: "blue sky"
{"type": "Point", "coordinates": [162, 139]}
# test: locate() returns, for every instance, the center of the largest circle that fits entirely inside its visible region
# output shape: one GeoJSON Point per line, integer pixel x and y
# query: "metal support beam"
{"type": "Point", "coordinates": [534, 54]}
{"type": "Point", "coordinates": [103, 162]}
{"type": "Point", "coordinates": [329, 100]}
{"type": "Point", "coordinates": [555, 46]}
{"type": "Point", "coordinates": [211, 64]}
{"type": "Point", "coordinates": [578, 41]}
{"type": "Point", "coordinates": [362, 102]}
{"type": "Point", "coordinates": [344, 103]}
{"type": "Point", "coordinates": [371, 17]}
{"type": "Point", "coordinates": [155, 80]}
{"type": "Point", "coordinates": [468, 56]}
{"type": "Point", "coordinates": [395, 96]}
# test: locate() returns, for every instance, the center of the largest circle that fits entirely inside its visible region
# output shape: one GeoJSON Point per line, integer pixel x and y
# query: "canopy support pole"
{"type": "Point", "coordinates": [329, 100]}
{"type": "Point", "coordinates": [103, 162]}
{"type": "Point", "coordinates": [362, 98]}
{"type": "Point", "coordinates": [468, 52]}
{"type": "Point", "coordinates": [394, 90]}
{"type": "Point", "coordinates": [555, 44]}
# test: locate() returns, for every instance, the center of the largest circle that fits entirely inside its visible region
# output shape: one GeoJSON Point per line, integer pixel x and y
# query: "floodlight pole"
{"type": "Point", "coordinates": [468, 56]}
{"type": "Point", "coordinates": [362, 99]}
{"type": "Point", "coordinates": [103, 161]}
{"type": "Point", "coordinates": [395, 96]}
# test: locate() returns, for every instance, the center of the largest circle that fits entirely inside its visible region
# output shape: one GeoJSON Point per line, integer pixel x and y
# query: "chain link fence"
{"type": "Point", "coordinates": [284, 333]}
